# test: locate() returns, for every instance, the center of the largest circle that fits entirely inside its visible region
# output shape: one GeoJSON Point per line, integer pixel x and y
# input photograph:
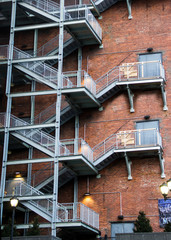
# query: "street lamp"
{"type": "Point", "coordinates": [165, 187]}
{"type": "Point", "coordinates": [14, 203]}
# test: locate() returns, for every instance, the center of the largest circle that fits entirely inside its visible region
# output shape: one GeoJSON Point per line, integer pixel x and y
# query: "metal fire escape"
{"type": "Point", "coordinates": [74, 91]}
{"type": "Point", "coordinates": [83, 27]}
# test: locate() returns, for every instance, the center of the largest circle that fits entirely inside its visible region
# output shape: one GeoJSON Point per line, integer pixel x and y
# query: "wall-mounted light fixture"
{"type": "Point", "coordinates": [165, 188]}
{"type": "Point", "coordinates": [150, 49]}
{"type": "Point", "coordinates": [146, 117]}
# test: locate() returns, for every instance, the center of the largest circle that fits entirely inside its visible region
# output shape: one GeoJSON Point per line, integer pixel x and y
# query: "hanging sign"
{"type": "Point", "coordinates": [164, 211]}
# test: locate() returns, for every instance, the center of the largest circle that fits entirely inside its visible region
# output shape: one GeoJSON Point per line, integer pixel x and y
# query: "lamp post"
{"type": "Point", "coordinates": [165, 187]}
{"type": "Point", "coordinates": [14, 203]}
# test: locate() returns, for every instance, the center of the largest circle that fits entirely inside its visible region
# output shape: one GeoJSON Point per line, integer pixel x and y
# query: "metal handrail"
{"type": "Point", "coordinates": [78, 146]}
{"type": "Point", "coordinates": [52, 44]}
{"type": "Point", "coordinates": [38, 136]}
{"type": "Point", "coordinates": [80, 79]}
{"type": "Point", "coordinates": [129, 72]}
{"type": "Point", "coordinates": [83, 13]}
{"type": "Point", "coordinates": [79, 212]}
{"type": "Point", "coordinates": [127, 139]}
{"type": "Point", "coordinates": [24, 189]}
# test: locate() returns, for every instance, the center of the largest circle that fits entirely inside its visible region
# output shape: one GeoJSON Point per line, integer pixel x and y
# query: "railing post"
{"type": "Point", "coordinates": [142, 69]}
{"type": "Point", "coordinates": [139, 135]}
{"type": "Point", "coordinates": [104, 147]}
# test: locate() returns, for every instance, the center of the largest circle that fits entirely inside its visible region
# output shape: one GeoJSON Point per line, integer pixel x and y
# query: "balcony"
{"type": "Point", "coordinates": [130, 76]}
{"type": "Point", "coordinates": [80, 90]}
{"type": "Point", "coordinates": [79, 157]}
{"type": "Point", "coordinates": [83, 24]}
{"type": "Point", "coordinates": [133, 143]}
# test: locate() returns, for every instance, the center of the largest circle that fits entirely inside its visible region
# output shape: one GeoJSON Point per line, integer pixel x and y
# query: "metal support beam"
{"type": "Point", "coordinates": [95, 8]}
{"type": "Point", "coordinates": [57, 126]}
{"type": "Point", "coordinates": [26, 127]}
{"type": "Point", "coordinates": [76, 133]}
{"type": "Point", "coordinates": [34, 59]}
{"type": "Point", "coordinates": [130, 96]}
{"type": "Point", "coordinates": [79, 67]}
{"type": "Point", "coordinates": [8, 109]}
{"type": "Point", "coordinates": [129, 8]}
{"type": "Point", "coordinates": [128, 165]}
{"type": "Point", "coordinates": [161, 164]}
{"type": "Point", "coordinates": [29, 94]}
{"type": "Point", "coordinates": [75, 196]}
{"type": "Point", "coordinates": [165, 108]}
{"type": "Point", "coordinates": [36, 26]}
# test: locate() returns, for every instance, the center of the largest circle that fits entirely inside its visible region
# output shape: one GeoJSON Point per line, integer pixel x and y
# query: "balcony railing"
{"type": "Point", "coordinates": [80, 212]}
{"type": "Point", "coordinates": [128, 139]}
{"type": "Point", "coordinates": [48, 6]}
{"type": "Point", "coordinates": [78, 146]}
{"type": "Point", "coordinates": [130, 72]}
{"type": "Point", "coordinates": [83, 13]}
{"type": "Point", "coordinates": [79, 79]}
{"type": "Point", "coordinates": [49, 112]}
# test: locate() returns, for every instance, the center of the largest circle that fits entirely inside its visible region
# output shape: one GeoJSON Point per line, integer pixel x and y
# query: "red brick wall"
{"type": "Point", "coordinates": [123, 40]}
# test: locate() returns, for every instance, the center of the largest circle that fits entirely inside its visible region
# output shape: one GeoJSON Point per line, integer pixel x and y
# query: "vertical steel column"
{"type": "Point", "coordinates": [9, 101]}
{"type": "Point", "coordinates": [30, 156]}
{"type": "Point", "coordinates": [57, 125]}
{"type": "Point", "coordinates": [33, 88]}
{"type": "Point", "coordinates": [75, 197]}
{"type": "Point", "coordinates": [79, 67]}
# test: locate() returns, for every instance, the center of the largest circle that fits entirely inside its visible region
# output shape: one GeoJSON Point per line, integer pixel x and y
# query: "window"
{"type": "Point", "coordinates": [121, 228]}
{"type": "Point", "coordinates": [151, 69]}
{"type": "Point", "coordinates": [146, 136]}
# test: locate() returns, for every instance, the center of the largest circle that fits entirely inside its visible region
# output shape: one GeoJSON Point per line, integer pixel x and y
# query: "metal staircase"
{"type": "Point", "coordinates": [36, 138]}
{"type": "Point", "coordinates": [107, 151]}
{"type": "Point", "coordinates": [50, 11]}
{"type": "Point", "coordinates": [40, 71]}
{"type": "Point", "coordinates": [52, 47]}
{"type": "Point", "coordinates": [43, 207]}
{"type": "Point", "coordinates": [43, 178]}
{"type": "Point", "coordinates": [102, 5]}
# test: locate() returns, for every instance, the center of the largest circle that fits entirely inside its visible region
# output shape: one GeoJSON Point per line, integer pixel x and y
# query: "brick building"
{"type": "Point", "coordinates": [85, 113]}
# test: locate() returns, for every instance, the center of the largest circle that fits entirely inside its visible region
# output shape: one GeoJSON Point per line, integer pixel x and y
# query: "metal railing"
{"type": "Point", "coordinates": [47, 72]}
{"type": "Point", "coordinates": [79, 79]}
{"type": "Point", "coordinates": [48, 6]}
{"type": "Point", "coordinates": [78, 146]}
{"type": "Point", "coordinates": [4, 50]}
{"type": "Point", "coordinates": [2, 120]}
{"type": "Point", "coordinates": [46, 205]}
{"type": "Point", "coordinates": [80, 212]}
{"type": "Point", "coordinates": [83, 13]}
{"type": "Point", "coordinates": [131, 72]}
{"type": "Point", "coordinates": [52, 44]}
{"type": "Point", "coordinates": [128, 139]}
{"type": "Point", "coordinates": [49, 112]}
{"type": "Point", "coordinates": [72, 3]}
{"type": "Point", "coordinates": [44, 139]}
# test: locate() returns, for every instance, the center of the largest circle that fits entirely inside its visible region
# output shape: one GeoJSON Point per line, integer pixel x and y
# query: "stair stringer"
{"type": "Point", "coordinates": [40, 211]}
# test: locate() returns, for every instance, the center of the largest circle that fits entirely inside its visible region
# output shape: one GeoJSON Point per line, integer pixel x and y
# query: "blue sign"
{"type": "Point", "coordinates": [164, 211]}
